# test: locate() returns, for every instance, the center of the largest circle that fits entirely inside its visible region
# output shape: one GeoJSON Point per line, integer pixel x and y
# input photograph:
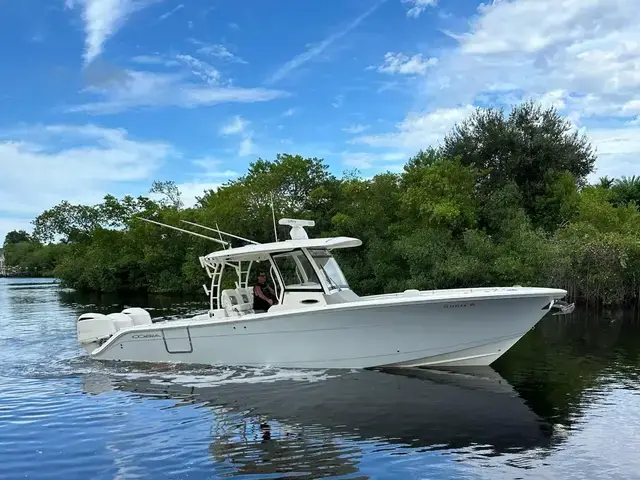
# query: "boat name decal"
{"type": "Point", "coordinates": [459, 305]}
{"type": "Point", "coordinates": [146, 335]}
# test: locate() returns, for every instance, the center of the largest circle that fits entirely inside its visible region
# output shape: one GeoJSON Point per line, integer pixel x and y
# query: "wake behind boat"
{"type": "Point", "coordinates": [317, 320]}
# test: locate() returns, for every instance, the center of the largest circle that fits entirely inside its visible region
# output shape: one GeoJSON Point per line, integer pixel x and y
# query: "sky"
{"type": "Point", "coordinates": [106, 96]}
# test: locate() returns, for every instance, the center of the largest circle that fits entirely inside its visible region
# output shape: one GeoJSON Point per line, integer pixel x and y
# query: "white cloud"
{"type": "Point", "coordinates": [211, 176]}
{"type": "Point", "coordinates": [147, 89]}
{"type": "Point", "coordinates": [217, 51]}
{"type": "Point", "coordinates": [240, 126]}
{"type": "Point", "coordinates": [174, 10]}
{"type": "Point", "coordinates": [355, 129]}
{"type": "Point", "coordinates": [235, 126]}
{"type": "Point", "coordinates": [319, 48]}
{"type": "Point", "coordinates": [155, 60]}
{"type": "Point", "coordinates": [191, 191]}
{"type": "Point", "coordinates": [290, 112]}
{"type": "Point", "coordinates": [618, 150]}
{"type": "Point", "coordinates": [247, 147]}
{"type": "Point", "coordinates": [416, 7]}
{"type": "Point", "coordinates": [400, 63]}
{"type": "Point", "coordinates": [45, 164]}
{"type": "Point", "coordinates": [367, 160]}
{"type": "Point", "coordinates": [212, 168]}
{"type": "Point", "coordinates": [536, 46]}
{"type": "Point", "coordinates": [418, 130]}
{"type": "Point", "coordinates": [581, 57]}
{"type": "Point", "coordinates": [338, 101]}
{"type": "Point", "coordinates": [102, 19]}
{"type": "Point", "coordinates": [201, 69]}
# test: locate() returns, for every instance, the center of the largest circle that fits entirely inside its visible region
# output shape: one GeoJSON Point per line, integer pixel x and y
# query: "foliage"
{"type": "Point", "coordinates": [531, 147]}
{"type": "Point", "coordinates": [504, 201]}
{"type": "Point", "coordinates": [16, 236]}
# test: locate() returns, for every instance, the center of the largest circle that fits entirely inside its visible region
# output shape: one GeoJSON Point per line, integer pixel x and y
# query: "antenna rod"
{"type": "Point", "coordinates": [273, 213]}
{"type": "Point", "coordinates": [217, 230]}
{"type": "Point", "coordinates": [181, 230]}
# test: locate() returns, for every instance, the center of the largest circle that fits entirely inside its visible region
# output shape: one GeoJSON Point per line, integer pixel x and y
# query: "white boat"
{"type": "Point", "coordinates": [318, 321]}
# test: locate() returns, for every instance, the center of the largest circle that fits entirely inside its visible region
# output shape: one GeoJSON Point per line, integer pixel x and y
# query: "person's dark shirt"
{"type": "Point", "coordinates": [260, 303]}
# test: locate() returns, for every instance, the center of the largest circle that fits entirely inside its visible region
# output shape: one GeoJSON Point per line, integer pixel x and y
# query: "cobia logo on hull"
{"type": "Point", "coordinates": [146, 335]}
{"type": "Point", "coordinates": [458, 305]}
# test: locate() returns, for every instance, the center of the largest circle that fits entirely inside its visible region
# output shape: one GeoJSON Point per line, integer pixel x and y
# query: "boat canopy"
{"type": "Point", "coordinates": [262, 251]}
{"type": "Point", "coordinates": [299, 264]}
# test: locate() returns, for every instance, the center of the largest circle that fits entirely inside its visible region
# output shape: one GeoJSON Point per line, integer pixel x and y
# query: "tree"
{"type": "Point", "coordinates": [70, 223]}
{"type": "Point", "coordinates": [169, 193]}
{"type": "Point", "coordinates": [626, 190]}
{"type": "Point", "coordinates": [605, 182]}
{"type": "Point", "coordinates": [529, 146]}
{"type": "Point", "coordinates": [16, 236]}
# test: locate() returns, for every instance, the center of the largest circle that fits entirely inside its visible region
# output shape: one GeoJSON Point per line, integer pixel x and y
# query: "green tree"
{"type": "Point", "coordinates": [16, 236]}
{"type": "Point", "coordinates": [529, 146]}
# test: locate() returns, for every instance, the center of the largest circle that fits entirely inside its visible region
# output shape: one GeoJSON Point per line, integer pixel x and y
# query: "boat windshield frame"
{"type": "Point", "coordinates": [301, 260]}
{"type": "Point", "coordinates": [334, 277]}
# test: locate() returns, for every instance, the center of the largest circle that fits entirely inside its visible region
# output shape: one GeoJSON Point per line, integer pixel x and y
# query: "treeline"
{"type": "Point", "coordinates": [504, 200]}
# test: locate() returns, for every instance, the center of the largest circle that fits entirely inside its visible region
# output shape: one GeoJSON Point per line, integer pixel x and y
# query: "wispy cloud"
{"type": "Point", "coordinates": [418, 130]}
{"type": "Point", "coordinates": [201, 69]}
{"type": "Point", "coordinates": [174, 10]}
{"type": "Point", "coordinates": [247, 146]}
{"type": "Point", "coordinates": [355, 129]}
{"type": "Point", "coordinates": [404, 65]}
{"type": "Point", "coordinates": [102, 19]}
{"type": "Point", "coordinates": [235, 126]}
{"type": "Point", "coordinates": [217, 51]}
{"type": "Point", "coordinates": [49, 163]}
{"type": "Point", "coordinates": [155, 60]}
{"type": "Point", "coordinates": [240, 126]}
{"type": "Point", "coordinates": [212, 168]}
{"type": "Point", "coordinates": [367, 160]}
{"type": "Point", "coordinates": [416, 7]}
{"type": "Point", "coordinates": [319, 48]}
{"type": "Point", "coordinates": [140, 89]}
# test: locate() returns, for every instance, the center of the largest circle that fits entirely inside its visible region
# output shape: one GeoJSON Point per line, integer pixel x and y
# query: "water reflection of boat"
{"type": "Point", "coordinates": [416, 407]}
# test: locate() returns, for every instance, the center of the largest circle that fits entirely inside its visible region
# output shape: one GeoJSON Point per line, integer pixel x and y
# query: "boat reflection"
{"type": "Point", "coordinates": [453, 408]}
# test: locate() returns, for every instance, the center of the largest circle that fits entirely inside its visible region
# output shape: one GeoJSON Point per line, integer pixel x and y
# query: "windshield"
{"type": "Point", "coordinates": [296, 271]}
{"type": "Point", "coordinates": [330, 269]}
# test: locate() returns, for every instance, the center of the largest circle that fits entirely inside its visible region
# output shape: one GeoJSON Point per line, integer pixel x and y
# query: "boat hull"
{"type": "Point", "coordinates": [418, 332]}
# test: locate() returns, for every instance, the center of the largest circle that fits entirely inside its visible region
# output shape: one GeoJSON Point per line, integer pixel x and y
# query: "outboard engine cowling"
{"type": "Point", "coordinates": [139, 315]}
{"type": "Point", "coordinates": [120, 320]}
{"type": "Point", "coordinates": [94, 329]}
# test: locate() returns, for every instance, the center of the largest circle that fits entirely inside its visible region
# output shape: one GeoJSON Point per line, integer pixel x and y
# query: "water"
{"type": "Point", "coordinates": [563, 403]}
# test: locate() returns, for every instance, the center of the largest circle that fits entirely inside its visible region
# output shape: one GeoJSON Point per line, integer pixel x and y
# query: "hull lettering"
{"type": "Point", "coordinates": [145, 335]}
{"type": "Point", "coordinates": [459, 305]}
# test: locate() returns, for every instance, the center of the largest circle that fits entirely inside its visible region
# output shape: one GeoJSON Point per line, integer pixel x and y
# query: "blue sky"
{"type": "Point", "coordinates": [105, 96]}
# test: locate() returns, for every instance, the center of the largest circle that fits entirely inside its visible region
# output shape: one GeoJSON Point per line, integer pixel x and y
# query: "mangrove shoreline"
{"type": "Point", "coordinates": [504, 200]}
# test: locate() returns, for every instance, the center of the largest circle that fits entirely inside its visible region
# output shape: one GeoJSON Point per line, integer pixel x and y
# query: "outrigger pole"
{"type": "Point", "coordinates": [182, 230]}
{"type": "Point", "coordinates": [217, 230]}
{"type": "Point", "coordinates": [273, 214]}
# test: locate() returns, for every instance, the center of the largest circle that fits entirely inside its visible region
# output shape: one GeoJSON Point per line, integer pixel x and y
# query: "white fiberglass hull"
{"type": "Point", "coordinates": [468, 330]}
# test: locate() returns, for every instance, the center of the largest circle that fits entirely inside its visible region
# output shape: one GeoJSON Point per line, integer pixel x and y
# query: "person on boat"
{"type": "Point", "coordinates": [263, 294]}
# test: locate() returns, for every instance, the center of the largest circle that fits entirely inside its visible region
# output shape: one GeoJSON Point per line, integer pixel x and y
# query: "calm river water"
{"type": "Point", "coordinates": [563, 403]}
